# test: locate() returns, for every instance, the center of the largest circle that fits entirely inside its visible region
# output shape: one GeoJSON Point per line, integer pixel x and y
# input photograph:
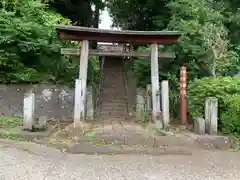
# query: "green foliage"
{"type": "Point", "coordinates": [227, 91]}
{"type": "Point", "coordinates": [10, 122]}
{"type": "Point", "coordinates": [205, 47]}
{"type": "Point", "coordinates": [141, 68]}
{"type": "Point", "coordinates": [219, 87]}
{"type": "Point", "coordinates": [94, 73]}
{"type": "Point", "coordinates": [6, 126]}
{"type": "Point", "coordinates": [80, 12]}
{"type": "Point", "coordinates": [209, 45]}
{"type": "Point", "coordinates": [30, 47]}
{"type": "Point", "coordinates": [205, 40]}
{"type": "Point", "coordinates": [138, 14]}
{"type": "Point", "coordinates": [230, 115]}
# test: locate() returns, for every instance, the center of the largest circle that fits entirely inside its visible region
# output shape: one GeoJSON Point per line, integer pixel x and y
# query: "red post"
{"type": "Point", "coordinates": [183, 95]}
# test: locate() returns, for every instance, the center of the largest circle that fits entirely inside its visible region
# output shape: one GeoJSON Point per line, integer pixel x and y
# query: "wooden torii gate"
{"type": "Point", "coordinates": [84, 34]}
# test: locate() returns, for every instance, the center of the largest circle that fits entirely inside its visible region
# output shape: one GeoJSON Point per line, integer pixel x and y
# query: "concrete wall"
{"type": "Point", "coordinates": [54, 101]}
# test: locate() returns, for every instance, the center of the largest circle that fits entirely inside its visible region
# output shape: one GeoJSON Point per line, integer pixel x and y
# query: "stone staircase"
{"type": "Point", "coordinates": [112, 98]}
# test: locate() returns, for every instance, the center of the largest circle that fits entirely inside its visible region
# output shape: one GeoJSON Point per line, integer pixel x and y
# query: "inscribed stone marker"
{"type": "Point", "coordinates": [77, 103]}
{"type": "Point", "coordinates": [211, 115]}
{"type": "Point", "coordinates": [165, 103]}
{"type": "Point", "coordinates": [199, 126]}
{"type": "Point", "coordinates": [28, 110]}
{"type": "Point", "coordinates": [89, 109]}
{"type": "Point", "coordinates": [140, 104]}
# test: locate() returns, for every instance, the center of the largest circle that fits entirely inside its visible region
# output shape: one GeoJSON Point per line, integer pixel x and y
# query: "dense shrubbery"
{"type": "Point", "coordinates": [28, 42]}
{"type": "Point", "coordinates": [30, 47]}
{"type": "Point", "coordinates": [226, 90]}
{"type": "Point", "coordinates": [230, 114]}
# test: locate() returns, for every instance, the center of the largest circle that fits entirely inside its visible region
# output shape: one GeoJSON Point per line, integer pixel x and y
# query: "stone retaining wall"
{"type": "Point", "coordinates": [54, 101]}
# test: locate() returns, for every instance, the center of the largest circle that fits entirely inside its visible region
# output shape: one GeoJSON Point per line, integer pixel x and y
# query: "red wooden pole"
{"type": "Point", "coordinates": [183, 95]}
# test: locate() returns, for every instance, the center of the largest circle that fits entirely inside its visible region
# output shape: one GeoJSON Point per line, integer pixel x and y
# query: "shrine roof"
{"type": "Point", "coordinates": [78, 33]}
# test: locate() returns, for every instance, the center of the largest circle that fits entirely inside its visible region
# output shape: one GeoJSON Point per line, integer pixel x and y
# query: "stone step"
{"type": "Point", "coordinates": [109, 98]}
{"type": "Point", "coordinates": [112, 114]}
{"type": "Point", "coordinates": [114, 93]}
{"type": "Point", "coordinates": [114, 81]}
{"type": "Point", "coordinates": [113, 110]}
{"type": "Point", "coordinates": [108, 76]}
{"type": "Point", "coordinates": [112, 99]}
{"type": "Point", "coordinates": [113, 72]}
{"type": "Point", "coordinates": [111, 118]}
{"type": "Point", "coordinates": [113, 84]}
{"type": "Point", "coordinates": [116, 105]}
{"type": "Point", "coordinates": [117, 89]}
{"type": "Point", "coordinates": [113, 68]}
{"type": "Point", "coordinates": [114, 88]}
{"type": "Point", "coordinates": [112, 102]}
{"type": "Point", "coordinates": [112, 105]}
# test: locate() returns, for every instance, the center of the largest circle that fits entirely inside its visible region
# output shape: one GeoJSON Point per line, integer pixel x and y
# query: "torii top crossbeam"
{"type": "Point", "coordinates": [77, 33]}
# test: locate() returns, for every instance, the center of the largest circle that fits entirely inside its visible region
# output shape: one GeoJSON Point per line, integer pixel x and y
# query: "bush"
{"type": "Point", "coordinates": [226, 90]}
{"type": "Point", "coordinates": [219, 87]}
{"type": "Point", "coordinates": [30, 46]}
{"type": "Point", "coordinates": [230, 115]}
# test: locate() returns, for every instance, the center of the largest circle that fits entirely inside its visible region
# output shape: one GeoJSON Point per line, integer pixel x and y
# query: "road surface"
{"type": "Point", "coordinates": [28, 161]}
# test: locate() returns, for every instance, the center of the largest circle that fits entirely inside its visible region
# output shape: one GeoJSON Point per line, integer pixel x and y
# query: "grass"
{"type": "Point", "coordinates": [11, 136]}
{"type": "Point", "coordinates": [6, 124]}
{"type": "Point", "coordinates": [10, 122]}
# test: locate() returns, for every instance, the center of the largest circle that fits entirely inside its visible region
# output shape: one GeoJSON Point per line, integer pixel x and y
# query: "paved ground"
{"type": "Point", "coordinates": [28, 161]}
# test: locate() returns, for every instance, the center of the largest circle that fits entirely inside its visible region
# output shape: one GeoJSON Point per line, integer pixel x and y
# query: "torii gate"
{"type": "Point", "coordinates": [84, 34]}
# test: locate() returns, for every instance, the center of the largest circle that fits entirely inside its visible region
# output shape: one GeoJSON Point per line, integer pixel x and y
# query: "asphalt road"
{"type": "Point", "coordinates": [29, 161]}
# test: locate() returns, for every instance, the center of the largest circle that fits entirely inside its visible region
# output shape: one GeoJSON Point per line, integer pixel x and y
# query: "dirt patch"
{"type": "Point", "coordinates": [122, 137]}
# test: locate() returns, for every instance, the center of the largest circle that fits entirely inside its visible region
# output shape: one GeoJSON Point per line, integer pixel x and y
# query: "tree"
{"type": "Point", "coordinates": [209, 44]}
{"type": "Point", "coordinates": [205, 40]}
{"type": "Point", "coordinates": [80, 12]}
{"type": "Point", "coordinates": [139, 14]}
{"type": "Point", "coordinates": [29, 43]}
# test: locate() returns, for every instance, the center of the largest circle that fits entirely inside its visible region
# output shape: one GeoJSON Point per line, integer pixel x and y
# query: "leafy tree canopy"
{"type": "Point", "coordinates": [210, 41]}
{"type": "Point", "coordinates": [30, 47]}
